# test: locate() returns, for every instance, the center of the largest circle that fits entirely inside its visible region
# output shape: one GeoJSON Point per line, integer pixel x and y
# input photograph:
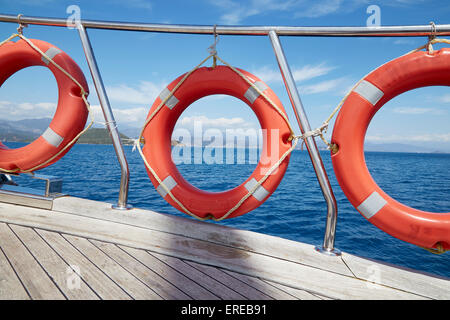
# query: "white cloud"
{"type": "Point", "coordinates": [310, 71]}
{"type": "Point", "coordinates": [267, 74]}
{"type": "Point", "coordinates": [319, 9]}
{"type": "Point", "coordinates": [403, 41]}
{"type": "Point", "coordinates": [438, 137]}
{"type": "Point", "coordinates": [326, 86]}
{"type": "Point", "coordinates": [416, 111]}
{"type": "Point", "coordinates": [432, 137]}
{"type": "Point", "coordinates": [300, 74]}
{"type": "Point", "coordinates": [445, 98]}
{"type": "Point", "coordinates": [144, 93]}
{"type": "Point", "coordinates": [234, 11]}
{"type": "Point", "coordinates": [18, 111]}
{"type": "Point", "coordinates": [133, 117]}
{"type": "Point", "coordinates": [307, 72]}
{"type": "Point", "coordinates": [219, 123]}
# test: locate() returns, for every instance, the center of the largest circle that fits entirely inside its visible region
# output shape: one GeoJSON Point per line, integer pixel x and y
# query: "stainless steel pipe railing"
{"type": "Point", "coordinates": [273, 32]}
{"type": "Point", "coordinates": [302, 119]}
{"type": "Point", "coordinates": [109, 118]}
{"type": "Point", "coordinates": [381, 31]}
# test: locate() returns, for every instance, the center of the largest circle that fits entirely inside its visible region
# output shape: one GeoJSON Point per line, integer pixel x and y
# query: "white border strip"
{"type": "Point", "coordinates": [369, 92]}
{"type": "Point", "coordinates": [169, 182]}
{"type": "Point", "coordinates": [52, 137]}
{"type": "Point", "coordinates": [51, 53]}
{"type": "Point", "coordinates": [251, 94]}
{"type": "Point", "coordinates": [260, 193]}
{"type": "Point", "coordinates": [372, 205]}
{"type": "Point", "coordinates": [172, 100]}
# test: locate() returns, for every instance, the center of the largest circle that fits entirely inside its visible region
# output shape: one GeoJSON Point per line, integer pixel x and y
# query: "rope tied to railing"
{"type": "Point", "coordinates": [107, 124]}
{"type": "Point", "coordinates": [21, 24]}
{"type": "Point", "coordinates": [431, 37]}
{"type": "Point", "coordinates": [213, 48]}
{"type": "Point", "coordinates": [83, 95]}
{"type": "Point", "coordinates": [318, 132]}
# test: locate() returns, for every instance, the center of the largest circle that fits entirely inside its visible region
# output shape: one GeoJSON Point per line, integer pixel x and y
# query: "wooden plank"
{"type": "Point", "coordinates": [10, 286]}
{"type": "Point", "coordinates": [188, 286]}
{"type": "Point", "coordinates": [265, 267]}
{"type": "Point", "coordinates": [36, 281]}
{"type": "Point", "coordinates": [113, 270]}
{"type": "Point", "coordinates": [53, 264]}
{"type": "Point", "coordinates": [158, 284]}
{"type": "Point", "coordinates": [405, 279]}
{"type": "Point", "coordinates": [258, 284]}
{"type": "Point", "coordinates": [234, 283]}
{"type": "Point", "coordinates": [299, 294]}
{"type": "Point", "coordinates": [216, 287]}
{"type": "Point", "coordinates": [242, 239]}
{"type": "Point", "coordinates": [91, 274]}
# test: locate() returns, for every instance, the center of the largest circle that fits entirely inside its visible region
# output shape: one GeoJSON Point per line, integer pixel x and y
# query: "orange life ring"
{"type": "Point", "coordinates": [70, 116]}
{"type": "Point", "coordinates": [157, 149]}
{"type": "Point", "coordinates": [419, 69]}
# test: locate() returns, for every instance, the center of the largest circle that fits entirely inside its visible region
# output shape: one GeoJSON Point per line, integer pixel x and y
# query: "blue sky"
{"type": "Point", "coordinates": [136, 66]}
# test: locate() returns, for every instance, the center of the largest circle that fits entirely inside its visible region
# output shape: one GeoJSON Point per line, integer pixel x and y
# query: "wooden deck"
{"type": "Point", "coordinates": [81, 249]}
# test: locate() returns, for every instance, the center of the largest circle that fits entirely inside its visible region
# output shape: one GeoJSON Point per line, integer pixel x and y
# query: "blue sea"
{"type": "Point", "coordinates": [295, 211]}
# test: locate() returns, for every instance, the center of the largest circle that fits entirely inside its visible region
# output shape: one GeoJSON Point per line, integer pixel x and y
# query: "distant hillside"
{"type": "Point", "coordinates": [100, 136]}
{"type": "Point", "coordinates": [23, 130]}
{"type": "Point", "coordinates": [395, 147]}
{"type": "Point", "coordinates": [28, 130]}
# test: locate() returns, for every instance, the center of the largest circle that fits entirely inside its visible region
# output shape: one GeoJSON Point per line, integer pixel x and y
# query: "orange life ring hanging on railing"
{"type": "Point", "coordinates": [414, 70]}
{"type": "Point", "coordinates": [157, 135]}
{"type": "Point", "coordinates": [70, 116]}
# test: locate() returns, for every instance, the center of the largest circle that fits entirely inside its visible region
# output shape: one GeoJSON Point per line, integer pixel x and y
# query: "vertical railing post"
{"type": "Point", "coordinates": [109, 118]}
{"type": "Point", "coordinates": [330, 228]}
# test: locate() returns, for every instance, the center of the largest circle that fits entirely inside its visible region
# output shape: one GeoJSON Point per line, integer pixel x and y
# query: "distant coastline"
{"type": "Point", "coordinates": [101, 136]}
{"type": "Point", "coordinates": [28, 130]}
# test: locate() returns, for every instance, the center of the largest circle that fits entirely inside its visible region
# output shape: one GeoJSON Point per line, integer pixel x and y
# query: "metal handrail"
{"type": "Point", "coordinates": [109, 118]}
{"type": "Point", "coordinates": [381, 31]}
{"type": "Point", "coordinates": [273, 32]}
{"type": "Point", "coordinates": [302, 119]}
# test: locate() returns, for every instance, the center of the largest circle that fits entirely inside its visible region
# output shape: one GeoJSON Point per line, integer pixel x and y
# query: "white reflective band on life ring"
{"type": "Point", "coordinates": [52, 137]}
{"type": "Point", "coordinates": [369, 92]}
{"type": "Point", "coordinates": [260, 193]}
{"type": "Point", "coordinates": [51, 53]}
{"type": "Point", "coordinates": [169, 182]}
{"type": "Point", "coordinates": [251, 94]}
{"type": "Point", "coordinates": [372, 205]}
{"type": "Point", "coordinates": [171, 102]}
